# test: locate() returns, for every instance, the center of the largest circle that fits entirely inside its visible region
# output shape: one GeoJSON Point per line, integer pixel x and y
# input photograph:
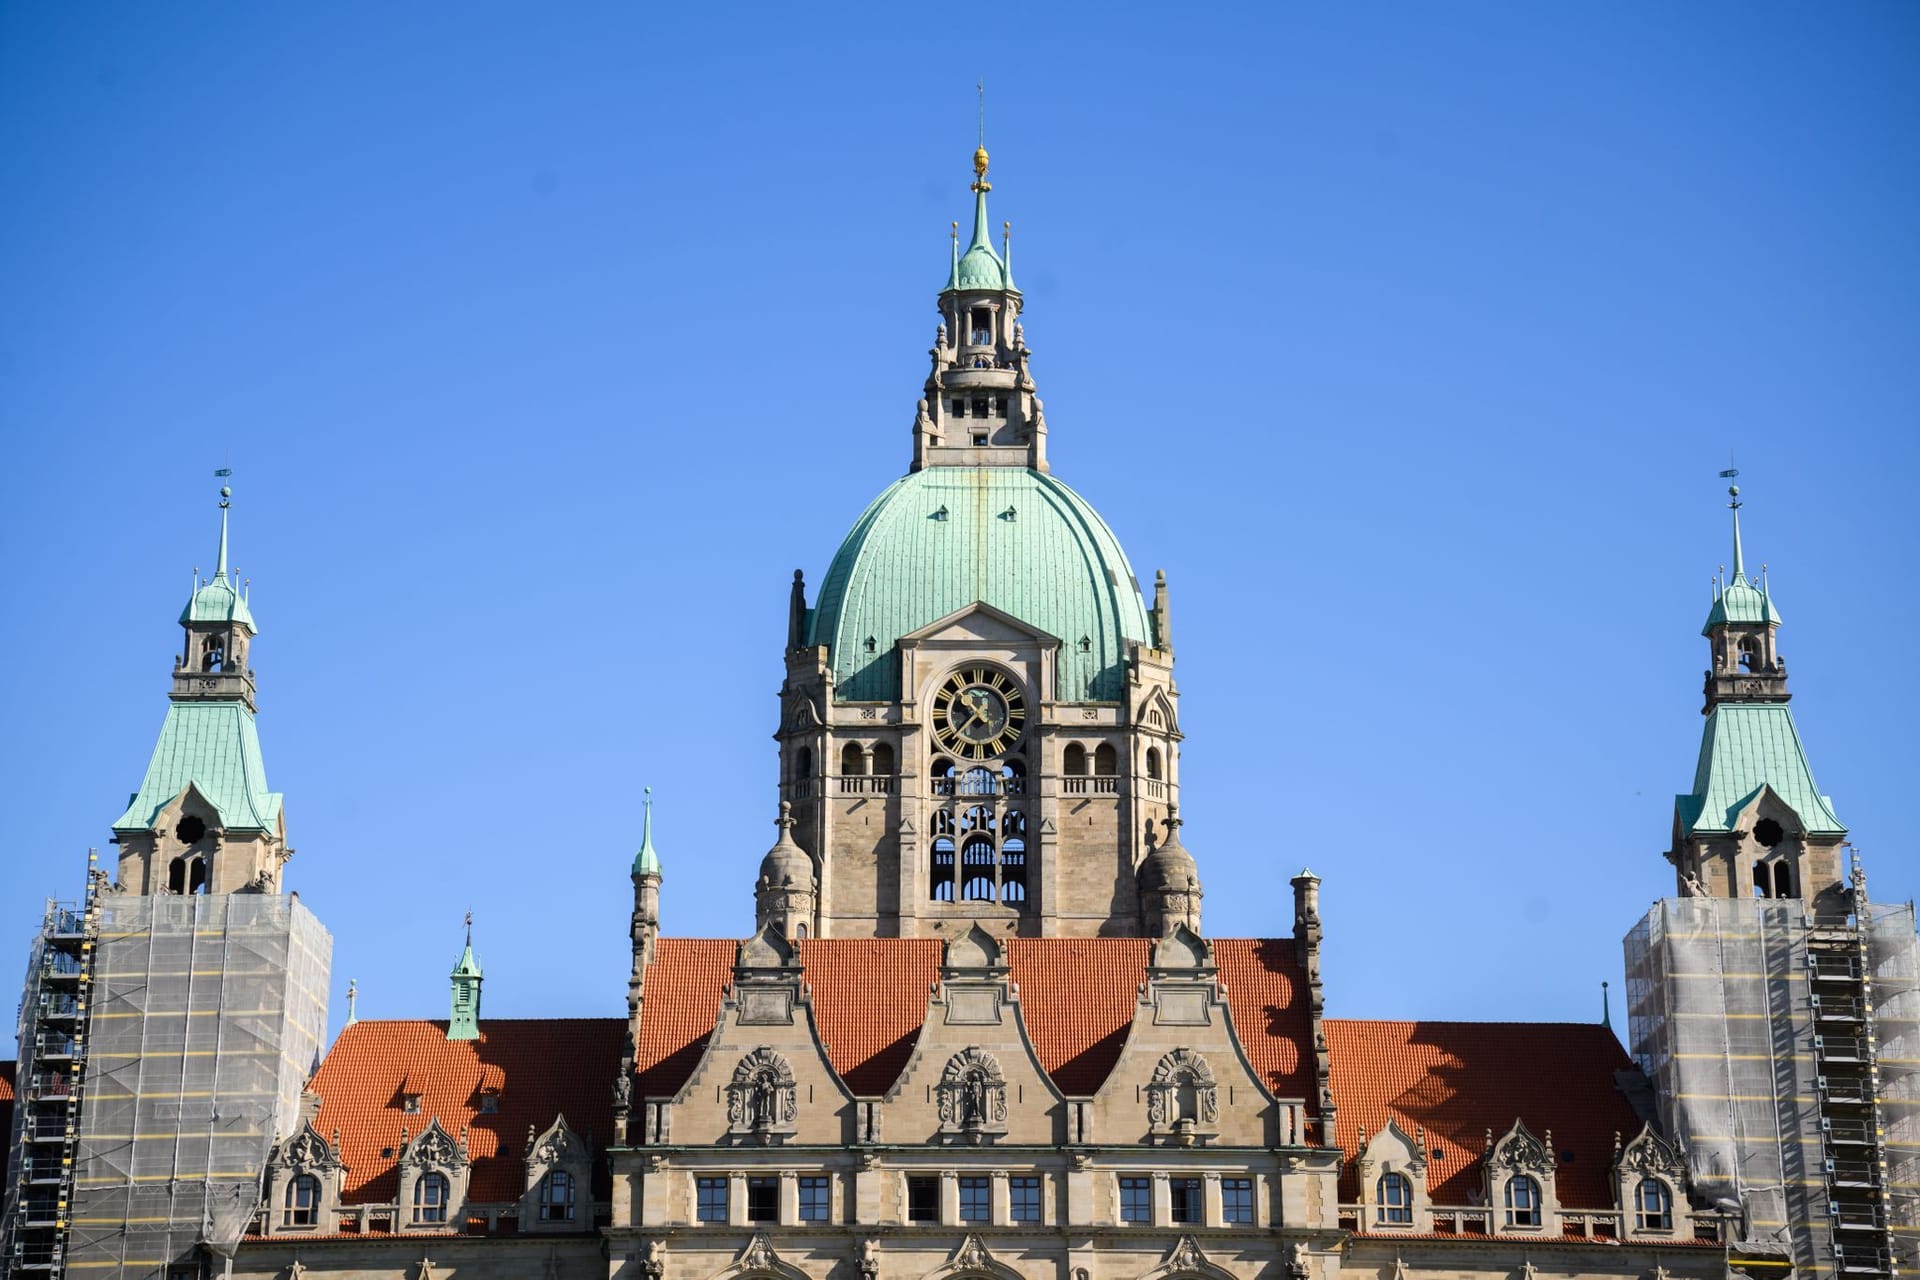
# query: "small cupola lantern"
{"type": "Point", "coordinates": [464, 1022]}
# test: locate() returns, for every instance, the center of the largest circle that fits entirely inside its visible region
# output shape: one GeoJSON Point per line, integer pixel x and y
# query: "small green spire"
{"type": "Point", "coordinates": [647, 861]}
{"type": "Point", "coordinates": [226, 500]}
{"type": "Point", "coordinates": [1739, 559]}
{"type": "Point", "coordinates": [464, 1024]}
{"type": "Point", "coordinates": [1006, 255]}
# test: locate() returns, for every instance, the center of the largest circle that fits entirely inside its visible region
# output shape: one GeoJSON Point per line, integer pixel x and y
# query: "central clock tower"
{"type": "Point", "coordinates": [979, 720]}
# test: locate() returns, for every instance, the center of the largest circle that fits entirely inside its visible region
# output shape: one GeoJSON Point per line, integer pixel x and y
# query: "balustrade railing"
{"type": "Point", "coordinates": [863, 785]}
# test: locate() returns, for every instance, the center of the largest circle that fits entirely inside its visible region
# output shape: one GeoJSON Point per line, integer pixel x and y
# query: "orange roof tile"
{"type": "Point", "coordinates": [681, 1000]}
{"type": "Point", "coordinates": [1077, 995]}
{"type": "Point", "coordinates": [1268, 996]}
{"type": "Point", "coordinates": [869, 999]}
{"type": "Point", "coordinates": [546, 1067]}
{"type": "Point", "coordinates": [1457, 1080]}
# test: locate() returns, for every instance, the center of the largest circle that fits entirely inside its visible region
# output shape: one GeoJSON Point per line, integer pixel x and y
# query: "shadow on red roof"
{"type": "Point", "coordinates": [1458, 1080]}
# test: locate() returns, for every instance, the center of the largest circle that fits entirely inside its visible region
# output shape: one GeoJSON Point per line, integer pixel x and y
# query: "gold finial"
{"type": "Point", "coordinates": [980, 182]}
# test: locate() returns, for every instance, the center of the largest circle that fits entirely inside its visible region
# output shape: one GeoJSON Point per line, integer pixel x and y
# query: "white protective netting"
{"type": "Point", "coordinates": [208, 1015]}
{"type": "Point", "coordinates": [1721, 1022]}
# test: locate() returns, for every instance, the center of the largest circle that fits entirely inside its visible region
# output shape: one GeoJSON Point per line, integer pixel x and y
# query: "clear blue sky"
{"type": "Point", "coordinates": [546, 343]}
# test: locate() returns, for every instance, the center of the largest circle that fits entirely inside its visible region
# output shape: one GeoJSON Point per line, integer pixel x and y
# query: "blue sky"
{"type": "Point", "coordinates": [545, 345]}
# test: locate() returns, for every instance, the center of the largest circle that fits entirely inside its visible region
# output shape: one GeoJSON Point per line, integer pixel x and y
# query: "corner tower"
{"type": "Point", "coordinates": [203, 819]}
{"type": "Point", "coordinates": [979, 717]}
{"type": "Point", "coordinates": [1755, 823]}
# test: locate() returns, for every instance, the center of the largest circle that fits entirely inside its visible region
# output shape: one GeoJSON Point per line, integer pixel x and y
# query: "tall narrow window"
{"type": "Point", "coordinates": [1523, 1201]}
{"type": "Point", "coordinates": [556, 1197]}
{"type": "Point", "coordinates": [1395, 1195]}
{"type": "Point", "coordinates": [303, 1201]}
{"type": "Point", "coordinates": [1653, 1205]}
{"type": "Point", "coordinates": [923, 1199]}
{"type": "Point", "coordinates": [976, 870]}
{"type": "Point", "coordinates": [1105, 762]}
{"type": "Point", "coordinates": [1013, 859]}
{"type": "Point", "coordinates": [940, 888]}
{"type": "Point", "coordinates": [816, 1199]}
{"type": "Point", "coordinates": [712, 1203]}
{"type": "Point", "coordinates": [1183, 1200]}
{"type": "Point", "coordinates": [1136, 1199]}
{"type": "Point", "coordinates": [430, 1195]}
{"type": "Point", "coordinates": [853, 761]}
{"type": "Point", "coordinates": [1023, 1199]}
{"type": "Point", "coordinates": [976, 1201]}
{"type": "Point", "coordinates": [883, 759]}
{"type": "Point", "coordinates": [1153, 762]}
{"type": "Point", "coordinates": [1236, 1200]}
{"type": "Point", "coordinates": [763, 1199]}
{"type": "Point", "coordinates": [1073, 761]}
{"type": "Point", "coordinates": [980, 323]}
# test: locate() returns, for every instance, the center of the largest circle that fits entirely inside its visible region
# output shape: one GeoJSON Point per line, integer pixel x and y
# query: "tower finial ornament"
{"type": "Point", "coordinates": [1733, 504]}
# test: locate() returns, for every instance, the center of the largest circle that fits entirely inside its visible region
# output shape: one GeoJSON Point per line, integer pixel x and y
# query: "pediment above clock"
{"type": "Point", "coordinates": [981, 623]}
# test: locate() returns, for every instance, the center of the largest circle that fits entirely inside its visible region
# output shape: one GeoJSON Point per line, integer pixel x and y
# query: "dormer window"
{"type": "Point", "coordinates": [410, 1102]}
{"type": "Point", "coordinates": [489, 1103]}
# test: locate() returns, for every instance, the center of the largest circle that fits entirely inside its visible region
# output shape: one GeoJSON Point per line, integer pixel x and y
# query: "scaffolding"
{"type": "Point", "coordinates": [1782, 1049]}
{"type": "Point", "coordinates": [52, 1033]}
{"type": "Point", "coordinates": [207, 1015]}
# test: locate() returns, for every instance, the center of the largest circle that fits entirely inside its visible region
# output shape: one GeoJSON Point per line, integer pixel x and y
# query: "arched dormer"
{"type": "Point", "coordinates": [559, 1186]}
{"type": "Point", "coordinates": [1521, 1193]}
{"type": "Point", "coordinates": [1650, 1180]}
{"type": "Point", "coordinates": [304, 1177]}
{"type": "Point", "coordinates": [1392, 1172]}
{"type": "Point", "coordinates": [434, 1170]}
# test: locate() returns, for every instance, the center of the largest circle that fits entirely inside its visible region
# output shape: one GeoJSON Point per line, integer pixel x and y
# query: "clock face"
{"type": "Point", "coordinates": [978, 713]}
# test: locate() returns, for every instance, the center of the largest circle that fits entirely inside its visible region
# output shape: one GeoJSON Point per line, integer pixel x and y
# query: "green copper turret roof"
{"type": "Point", "coordinates": [940, 540]}
{"type": "Point", "coordinates": [647, 861]}
{"type": "Point", "coordinates": [214, 747]}
{"type": "Point", "coordinates": [463, 1021]}
{"type": "Point", "coordinates": [1740, 601]}
{"type": "Point", "coordinates": [1747, 746]}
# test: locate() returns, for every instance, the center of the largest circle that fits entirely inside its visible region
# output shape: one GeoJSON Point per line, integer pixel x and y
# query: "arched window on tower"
{"type": "Point", "coordinates": [1013, 859]}
{"type": "Point", "coordinates": [213, 653]}
{"type": "Point", "coordinates": [977, 781]}
{"type": "Point", "coordinates": [1747, 648]}
{"type": "Point", "coordinates": [1073, 761]}
{"type": "Point", "coordinates": [941, 772]}
{"type": "Point", "coordinates": [883, 759]}
{"type": "Point", "coordinates": [1106, 762]}
{"type": "Point", "coordinates": [177, 876]}
{"type": "Point", "coordinates": [197, 870]}
{"type": "Point", "coordinates": [853, 761]}
{"type": "Point", "coordinates": [940, 880]}
{"type": "Point", "coordinates": [1783, 886]}
{"type": "Point", "coordinates": [1013, 776]}
{"type": "Point", "coordinates": [976, 870]}
{"type": "Point", "coordinates": [1153, 763]}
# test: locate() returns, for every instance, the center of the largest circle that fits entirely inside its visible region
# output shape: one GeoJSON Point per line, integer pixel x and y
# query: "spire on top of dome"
{"type": "Point", "coordinates": [1739, 599]}
{"type": "Point", "coordinates": [219, 599]}
{"type": "Point", "coordinates": [980, 267]}
{"type": "Point", "coordinates": [647, 861]}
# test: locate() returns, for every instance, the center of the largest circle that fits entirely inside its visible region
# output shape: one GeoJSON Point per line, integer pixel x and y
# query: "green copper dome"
{"type": "Point", "coordinates": [217, 601]}
{"type": "Point", "coordinates": [942, 539]}
{"type": "Point", "coordinates": [1741, 602]}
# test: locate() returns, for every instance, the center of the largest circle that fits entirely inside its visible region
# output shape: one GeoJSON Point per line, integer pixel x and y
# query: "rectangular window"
{"type": "Point", "coordinates": [979, 439]}
{"type": "Point", "coordinates": [816, 1200]}
{"type": "Point", "coordinates": [713, 1200]}
{"type": "Point", "coordinates": [976, 1200]}
{"type": "Point", "coordinates": [1023, 1199]}
{"type": "Point", "coordinates": [1136, 1199]}
{"type": "Point", "coordinates": [959, 408]}
{"type": "Point", "coordinates": [763, 1199]}
{"type": "Point", "coordinates": [1183, 1200]}
{"type": "Point", "coordinates": [1236, 1200]}
{"type": "Point", "coordinates": [979, 406]}
{"type": "Point", "coordinates": [923, 1199]}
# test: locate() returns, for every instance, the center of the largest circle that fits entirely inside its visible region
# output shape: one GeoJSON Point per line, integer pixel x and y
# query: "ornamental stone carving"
{"type": "Point", "coordinates": [1182, 1096]}
{"type": "Point", "coordinates": [972, 1093]}
{"type": "Point", "coordinates": [1649, 1155]}
{"type": "Point", "coordinates": [1520, 1152]}
{"type": "Point", "coordinates": [761, 1099]}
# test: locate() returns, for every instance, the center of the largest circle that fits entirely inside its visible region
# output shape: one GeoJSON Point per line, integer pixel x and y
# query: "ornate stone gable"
{"type": "Point", "coordinates": [434, 1148]}
{"type": "Point", "coordinates": [1649, 1155]}
{"type": "Point", "coordinates": [1518, 1151]}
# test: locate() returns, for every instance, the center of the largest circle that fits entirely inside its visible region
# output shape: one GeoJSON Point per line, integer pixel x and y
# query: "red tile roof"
{"type": "Point", "coordinates": [1457, 1080]}
{"type": "Point", "coordinates": [544, 1067]}
{"type": "Point", "coordinates": [870, 996]}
